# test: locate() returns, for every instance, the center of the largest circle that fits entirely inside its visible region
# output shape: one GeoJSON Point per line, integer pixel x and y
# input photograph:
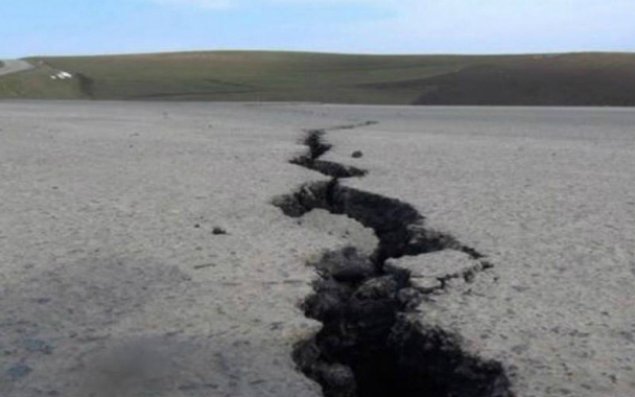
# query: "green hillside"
{"type": "Point", "coordinates": [566, 79]}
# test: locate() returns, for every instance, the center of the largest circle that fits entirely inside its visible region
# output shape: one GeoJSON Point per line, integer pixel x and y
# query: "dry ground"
{"type": "Point", "coordinates": [113, 282]}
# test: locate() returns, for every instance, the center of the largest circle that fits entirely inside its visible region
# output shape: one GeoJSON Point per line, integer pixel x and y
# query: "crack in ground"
{"type": "Point", "coordinates": [399, 227]}
{"type": "Point", "coordinates": [371, 343]}
{"type": "Point", "coordinates": [317, 147]}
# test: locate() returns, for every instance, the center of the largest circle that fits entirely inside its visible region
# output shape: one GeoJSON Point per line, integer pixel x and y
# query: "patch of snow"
{"type": "Point", "coordinates": [61, 75]}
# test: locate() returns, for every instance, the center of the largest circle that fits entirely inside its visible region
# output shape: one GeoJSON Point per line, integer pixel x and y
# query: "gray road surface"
{"type": "Point", "coordinates": [112, 282]}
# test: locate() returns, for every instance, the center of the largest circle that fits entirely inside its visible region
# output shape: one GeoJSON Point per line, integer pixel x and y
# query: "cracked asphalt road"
{"type": "Point", "coordinates": [547, 195]}
{"type": "Point", "coordinates": [371, 342]}
{"type": "Point", "coordinates": [112, 281]}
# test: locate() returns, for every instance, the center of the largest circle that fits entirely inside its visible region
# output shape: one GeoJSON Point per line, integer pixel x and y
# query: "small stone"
{"type": "Point", "coordinates": [219, 231]}
{"type": "Point", "coordinates": [357, 154]}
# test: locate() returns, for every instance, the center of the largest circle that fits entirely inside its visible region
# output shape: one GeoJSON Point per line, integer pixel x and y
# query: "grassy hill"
{"type": "Point", "coordinates": [565, 79]}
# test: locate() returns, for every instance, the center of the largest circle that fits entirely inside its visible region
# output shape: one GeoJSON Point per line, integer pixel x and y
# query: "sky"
{"type": "Point", "coordinates": [73, 27]}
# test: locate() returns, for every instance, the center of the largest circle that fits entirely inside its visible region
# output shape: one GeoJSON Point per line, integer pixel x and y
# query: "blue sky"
{"type": "Point", "coordinates": [49, 27]}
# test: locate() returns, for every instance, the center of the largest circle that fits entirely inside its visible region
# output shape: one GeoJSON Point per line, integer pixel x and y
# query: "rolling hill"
{"type": "Point", "coordinates": [580, 79]}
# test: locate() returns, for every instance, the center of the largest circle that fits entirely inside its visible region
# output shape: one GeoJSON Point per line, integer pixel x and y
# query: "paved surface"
{"type": "Point", "coordinates": [113, 283]}
{"type": "Point", "coordinates": [549, 196]}
{"type": "Point", "coordinates": [8, 66]}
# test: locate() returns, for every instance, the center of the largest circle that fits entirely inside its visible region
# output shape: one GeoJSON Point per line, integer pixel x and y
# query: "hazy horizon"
{"type": "Point", "coordinates": [66, 27]}
{"type": "Point", "coordinates": [299, 51]}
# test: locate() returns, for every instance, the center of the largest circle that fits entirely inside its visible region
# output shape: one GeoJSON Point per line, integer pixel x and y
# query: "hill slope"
{"type": "Point", "coordinates": [566, 79]}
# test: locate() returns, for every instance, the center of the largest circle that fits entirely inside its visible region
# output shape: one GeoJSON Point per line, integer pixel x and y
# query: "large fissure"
{"type": "Point", "coordinates": [399, 227]}
{"type": "Point", "coordinates": [371, 343]}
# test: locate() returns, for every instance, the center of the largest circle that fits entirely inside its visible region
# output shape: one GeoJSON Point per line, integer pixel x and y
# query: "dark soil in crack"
{"type": "Point", "coordinates": [316, 148]}
{"type": "Point", "coordinates": [371, 344]}
{"type": "Point", "coordinates": [399, 226]}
